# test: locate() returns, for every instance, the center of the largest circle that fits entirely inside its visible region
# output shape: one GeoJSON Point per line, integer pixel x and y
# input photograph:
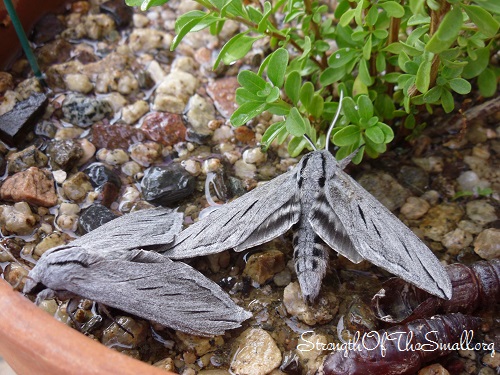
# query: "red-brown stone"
{"type": "Point", "coordinates": [164, 127]}
{"type": "Point", "coordinates": [116, 136]}
{"type": "Point", "coordinates": [223, 93]}
{"type": "Point", "coordinates": [34, 185]}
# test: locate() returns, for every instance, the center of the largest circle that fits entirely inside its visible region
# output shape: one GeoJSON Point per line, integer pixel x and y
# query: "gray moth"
{"type": "Point", "coordinates": [106, 266]}
{"type": "Point", "coordinates": [326, 208]}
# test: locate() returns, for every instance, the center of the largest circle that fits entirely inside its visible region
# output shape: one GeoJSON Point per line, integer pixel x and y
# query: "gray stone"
{"type": "Point", "coordinates": [29, 157]}
{"type": "Point", "coordinates": [385, 188]}
{"type": "Point", "coordinates": [93, 217]}
{"type": "Point", "coordinates": [199, 112]}
{"type": "Point", "coordinates": [481, 212]}
{"type": "Point", "coordinates": [84, 111]}
{"type": "Point", "coordinates": [64, 154]}
{"type": "Point", "coordinates": [167, 184]}
{"type": "Point", "coordinates": [487, 244]}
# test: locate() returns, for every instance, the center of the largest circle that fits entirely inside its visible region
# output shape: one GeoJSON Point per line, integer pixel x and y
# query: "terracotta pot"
{"type": "Point", "coordinates": [31, 341]}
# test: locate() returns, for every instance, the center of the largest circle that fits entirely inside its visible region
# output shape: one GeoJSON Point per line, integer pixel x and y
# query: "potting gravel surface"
{"type": "Point", "coordinates": [127, 120]}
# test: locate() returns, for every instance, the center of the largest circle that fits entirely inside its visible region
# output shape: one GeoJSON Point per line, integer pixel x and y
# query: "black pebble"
{"type": "Point", "coordinates": [167, 184]}
{"type": "Point", "coordinates": [93, 217]}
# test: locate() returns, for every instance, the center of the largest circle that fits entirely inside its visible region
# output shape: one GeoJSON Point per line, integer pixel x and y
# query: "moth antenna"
{"type": "Point", "coordinates": [310, 142]}
{"type": "Point", "coordinates": [106, 312]}
{"type": "Point", "coordinates": [208, 195]}
{"type": "Point", "coordinates": [14, 259]}
{"type": "Point", "coordinates": [345, 162]}
{"type": "Point", "coordinates": [71, 308]}
{"type": "Point", "coordinates": [327, 141]}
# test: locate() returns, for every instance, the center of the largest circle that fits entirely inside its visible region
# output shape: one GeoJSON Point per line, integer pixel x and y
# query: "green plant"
{"type": "Point", "coordinates": [391, 60]}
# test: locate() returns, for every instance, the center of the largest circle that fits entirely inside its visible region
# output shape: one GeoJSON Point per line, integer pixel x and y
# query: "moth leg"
{"type": "Point", "coordinates": [71, 309]}
{"type": "Point", "coordinates": [104, 310]}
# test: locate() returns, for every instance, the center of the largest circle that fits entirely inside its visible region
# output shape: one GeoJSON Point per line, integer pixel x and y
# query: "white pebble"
{"type": "Point", "coordinates": [192, 167]}
{"type": "Point", "coordinates": [113, 157]}
{"type": "Point", "coordinates": [254, 156]}
{"type": "Point", "coordinates": [133, 112]}
{"type": "Point", "coordinates": [131, 168]}
{"type": "Point", "coordinates": [78, 82]}
{"type": "Point", "coordinates": [59, 176]}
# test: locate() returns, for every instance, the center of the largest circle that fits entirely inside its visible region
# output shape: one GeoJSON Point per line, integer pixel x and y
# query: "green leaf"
{"type": "Point", "coordinates": [433, 95]}
{"type": "Point", "coordinates": [347, 17]}
{"type": "Point", "coordinates": [371, 16]}
{"type": "Point", "coordinates": [388, 132]}
{"type": "Point", "coordinates": [365, 107]}
{"type": "Point", "coordinates": [490, 5]}
{"type": "Point", "coordinates": [380, 34]}
{"type": "Point", "coordinates": [393, 9]}
{"type": "Point", "coordinates": [236, 48]}
{"type": "Point", "coordinates": [277, 67]}
{"type": "Point", "coordinates": [295, 123]}
{"type": "Point", "coordinates": [419, 19]}
{"type": "Point", "coordinates": [292, 86]}
{"type": "Point", "coordinates": [447, 31]}
{"type": "Point", "coordinates": [251, 81]}
{"type": "Point", "coordinates": [331, 75]}
{"type": "Point", "coordinates": [316, 107]}
{"type": "Point", "coordinates": [350, 110]}
{"type": "Point", "coordinates": [417, 7]}
{"type": "Point", "coordinates": [423, 76]}
{"type": "Point", "coordinates": [296, 146]}
{"type": "Point", "coordinates": [243, 95]}
{"type": "Point", "coordinates": [273, 95]}
{"type": "Point", "coordinates": [487, 82]}
{"type": "Point", "coordinates": [306, 93]}
{"type": "Point", "coordinates": [348, 135]}
{"type": "Point", "coordinates": [380, 62]}
{"type": "Point", "coordinates": [146, 4]}
{"type": "Point", "coordinates": [460, 86]}
{"type": "Point", "coordinates": [279, 108]}
{"type": "Point", "coordinates": [447, 101]}
{"type": "Point", "coordinates": [483, 20]}
{"type": "Point", "coordinates": [187, 23]}
{"type": "Point", "coordinates": [367, 48]}
{"type": "Point", "coordinates": [375, 134]}
{"type": "Point", "coordinates": [364, 74]}
{"type": "Point", "coordinates": [271, 133]}
{"type": "Point", "coordinates": [246, 112]}
{"type": "Point", "coordinates": [394, 48]}
{"type": "Point", "coordinates": [477, 66]}
{"type": "Point", "coordinates": [342, 57]}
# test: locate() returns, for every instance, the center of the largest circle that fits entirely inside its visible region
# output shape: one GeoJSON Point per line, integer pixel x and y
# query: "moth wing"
{"type": "Point", "coordinates": [148, 285]}
{"type": "Point", "coordinates": [381, 237]}
{"type": "Point", "coordinates": [142, 228]}
{"type": "Point", "coordinates": [264, 213]}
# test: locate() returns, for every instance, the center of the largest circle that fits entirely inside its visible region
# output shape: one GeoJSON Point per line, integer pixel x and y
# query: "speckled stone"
{"type": "Point", "coordinates": [64, 154]}
{"type": "Point", "coordinates": [257, 353]}
{"type": "Point", "coordinates": [199, 345]}
{"type": "Point", "coordinates": [29, 157]}
{"type": "Point", "coordinates": [83, 110]}
{"type": "Point", "coordinates": [93, 217]}
{"type": "Point", "coordinates": [35, 186]}
{"type": "Point", "coordinates": [116, 136]}
{"type": "Point", "coordinates": [165, 128]}
{"type": "Point", "coordinates": [223, 93]}
{"type": "Point", "coordinates": [167, 185]}
{"type": "Point", "coordinates": [487, 244]}
{"type": "Point", "coordinates": [77, 186]}
{"type": "Point", "coordinates": [414, 208]}
{"type": "Point", "coordinates": [199, 113]}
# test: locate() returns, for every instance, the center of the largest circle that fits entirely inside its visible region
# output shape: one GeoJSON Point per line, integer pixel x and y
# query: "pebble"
{"type": "Point", "coordinates": [385, 188]}
{"type": "Point", "coordinates": [147, 40]}
{"type": "Point", "coordinates": [431, 164]}
{"type": "Point", "coordinates": [245, 135]}
{"type": "Point", "coordinates": [254, 156]}
{"type": "Point", "coordinates": [470, 226]}
{"type": "Point", "coordinates": [78, 82]}
{"type": "Point", "coordinates": [17, 219]}
{"type": "Point", "coordinates": [440, 220]}
{"type": "Point", "coordinates": [199, 112]}
{"type": "Point", "coordinates": [71, 132]}
{"type": "Point", "coordinates": [133, 112]}
{"type": "Point", "coordinates": [99, 175]}
{"type": "Point", "coordinates": [116, 136]}
{"type": "Point", "coordinates": [481, 212]}
{"type": "Point", "coordinates": [456, 240]}
{"type": "Point", "coordinates": [311, 355]}
{"type": "Point", "coordinates": [146, 153]}
{"type": "Point", "coordinates": [414, 178]}
{"type": "Point", "coordinates": [15, 275]}
{"type": "Point", "coordinates": [140, 21]}
{"type": "Point", "coordinates": [76, 187]}
{"type": "Point", "coordinates": [165, 128]}
{"type": "Point", "coordinates": [88, 151]}
{"type": "Point", "coordinates": [192, 167]}
{"type": "Point", "coordinates": [93, 217]}
{"type": "Point", "coordinates": [174, 91]}
{"type": "Point", "coordinates": [222, 134]}
{"type": "Point", "coordinates": [64, 154]}
{"type": "Point", "coordinates": [119, 11]}
{"type": "Point", "coordinates": [211, 165]}
{"type": "Point", "coordinates": [244, 170]}
{"type": "Point", "coordinates": [435, 369]}
{"type": "Point", "coordinates": [322, 312]}
{"type": "Point", "coordinates": [67, 218]}
{"type": "Point", "coordinates": [487, 244]}
{"type": "Point", "coordinates": [166, 364]}
{"type": "Point", "coordinates": [131, 168]}
{"type": "Point", "coordinates": [52, 240]}
{"type": "Point", "coordinates": [127, 83]}
{"type": "Point", "coordinates": [222, 91]}
{"type": "Point", "coordinates": [492, 360]}
{"type": "Point", "coordinates": [261, 267]}
{"type": "Point", "coordinates": [83, 110]}
{"type": "Point", "coordinates": [46, 129]}
{"type": "Point", "coordinates": [29, 157]}
{"type": "Point", "coordinates": [117, 101]}
{"type": "Point", "coordinates": [35, 186]}
{"type": "Point", "coordinates": [59, 176]}
{"type": "Point", "coordinates": [112, 157]}
{"type": "Point", "coordinates": [155, 72]}
{"type": "Point", "coordinates": [6, 82]}
{"type": "Point", "coordinates": [414, 208]}
{"type": "Point", "coordinates": [20, 120]}
{"type": "Point", "coordinates": [47, 28]}
{"type": "Point", "coordinates": [199, 345]}
{"type": "Point", "coordinates": [257, 353]}
{"type": "Point", "coordinates": [470, 181]}
{"type": "Point", "coordinates": [167, 185]}
{"type": "Point", "coordinates": [125, 332]}
{"type": "Point", "coordinates": [283, 278]}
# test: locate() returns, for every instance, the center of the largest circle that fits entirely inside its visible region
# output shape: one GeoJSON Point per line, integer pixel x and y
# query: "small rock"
{"type": "Point", "coordinates": [470, 226]}
{"type": "Point", "coordinates": [254, 156]}
{"type": "Point", "coordinates": [468, 181]}
{"type": "Point", "coordinates": [185, 63]}
{"type": "Point", "coordinates": [131, 168]}
{"type": "Point", "coordinates": [17, 219]}
{"type": "Point", "coordinates": [93, 217]}
{"type": "Point", "coordinates": [244, 170]}
{"type": "Point", "coordinates": [456, 240]}
{"type": "Point", "coordinates": [117, 101]}
{"type": "Point", "coordinates": [15, 275]}
{"type": "Point", "coordinates": [78, 82]}
{"type": "Point", "coordinates": [29, 157]}
{"type": "Point", "coordinates": [192, 166]}
{"type": "Point", "coordinates": [431, 196]}
{"type": "Point", "coordinates": [84, 111]}
{"type": "Point", "coordinates": [165, 128]}
{"type": "Point", "coordinates": [116, 136]}
{"type": "Point", "coordinates": [18, 122]}
{"type": "Point", "coordinates": [88, 151]}
{"type": "Point", "coordinates": [153, 75]}
{"type": "Point", "coordinates": [261, 267]}
{"type": "Point", "coordinates": [492, 359]}
{"type": "Point", "coordinates": [311, 354]}
{"type": "Point", "coordinates": [64, 154]}
{"type": "Point", "coordinates": [440, 220]}
{"type": "Point", "coordinates": [283, 278]}
{"type": "Point", "coordinates": [146, 153]}
{"type": "Point", "coordinates": [481, 212]}
{"type": "Point", "coordinates": [45, 129]}
{"type": "Point", "coordinates": [119, 11]}
{"type": "Point", "coordinates": [99, 175]}
{"type": "Point", "coordinates": [200, 345]}
{"type": "Point", "coordinates": [487, 244]}
{"type": "Point", "coordinates": [199, 113]}
{"type": "Point", "coordinates": [174, 91]}
{"type": "Point", "coordinates": [52, 240]}
{"type": "Point", "coordinates": [223, 93]}
{"type": "Point", "coordinates": [244, 134]}
{"type": "Point", "coordinates": [67, 218]}
{"type": "Point", "coordinates": [6, 82]}
{"type": "Point", "coordinates": [127, 83]}
{"type": "Point", "coordinates": [112, 157]}
{"type": "Point", "coordinates": [71, 132]}
{"type": "Point", "coordinates": [166, 364]}
{"type": "Point", "coordinates": [222, 133]}
{"type": "Point", "coordinates": [147, 40]}
{"type": "Point", "coordinates": [133, 112]}
{"type": "Point", "coordinates": [167, 185]}
{"type": "Point", "coordinates": [385, 188]}
{"type": "Point", "coordinates": [323, 311]}
{"type": "Point", "coordinates": [415, 208]}
{"type": "Point", "coordinates": [59, 176]}
{"type": "Point", "coordinates": [257, 353]}
{"type": "Point", "coordinates": [431, 164]}
{"type": "Point", "coordinates": [76, 187]}
{"type": "Point", "coordinates": [47, 28]}
{"type": "Point", "coordinates": [125, 332]}
{"type": "Point", "coordinates": [414, 178]}
{"type": "Point", "coordinates": [211, 165]}
{"type": "Point", "coordinates": [56, 52]}
{"type": "Point", "coordinates": [435, 369]}
{"type": "Point", "coordinates": [98, 26]}
{"type": "Point", "coordinates": [35, 186]}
